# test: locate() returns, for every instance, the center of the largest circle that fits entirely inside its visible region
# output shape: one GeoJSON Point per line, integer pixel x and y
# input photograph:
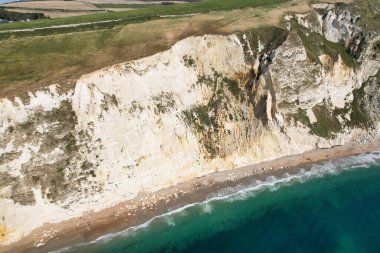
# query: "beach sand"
{"type": "Point", "coordinates": [146, 206]}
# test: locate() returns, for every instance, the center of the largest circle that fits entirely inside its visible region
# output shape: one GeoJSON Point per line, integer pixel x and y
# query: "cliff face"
{"type": "Point", "coordinates": [210, 103]}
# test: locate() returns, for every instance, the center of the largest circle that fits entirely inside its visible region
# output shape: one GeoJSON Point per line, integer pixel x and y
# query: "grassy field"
{"type": "Point", "coordinates": [150, 12]}
{"type": "Point", "coordinates": [34, 59]}
{"type": "Point", "coordinates": [39, 58]}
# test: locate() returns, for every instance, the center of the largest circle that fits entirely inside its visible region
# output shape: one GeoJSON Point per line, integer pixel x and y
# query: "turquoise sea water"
{"type": "Point", "coordinates": [330, 208]}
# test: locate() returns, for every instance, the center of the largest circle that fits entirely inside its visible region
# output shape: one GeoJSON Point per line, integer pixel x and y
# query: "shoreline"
{"type": "Point", "coordinates": [131, 213]}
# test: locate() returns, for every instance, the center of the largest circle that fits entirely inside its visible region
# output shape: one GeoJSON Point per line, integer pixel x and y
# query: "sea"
{"type": "Point", "coordinates": [329, 207]}
{"type": "Point", "coordinates": [8, 1]}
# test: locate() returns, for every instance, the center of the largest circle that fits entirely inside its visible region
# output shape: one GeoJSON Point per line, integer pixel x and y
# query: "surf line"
{"type": "Point", "coordinates": [272, 183]}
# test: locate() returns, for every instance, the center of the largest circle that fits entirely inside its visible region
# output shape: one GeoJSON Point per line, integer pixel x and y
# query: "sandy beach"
{"type": "Point", "coordinates": [148, 205]}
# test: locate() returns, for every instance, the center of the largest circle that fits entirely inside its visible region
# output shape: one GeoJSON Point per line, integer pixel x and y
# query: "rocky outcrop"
{"type": "Point", "coordinates": [209, 103]}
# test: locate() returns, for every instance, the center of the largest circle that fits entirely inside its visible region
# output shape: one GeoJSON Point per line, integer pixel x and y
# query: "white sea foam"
{"type": "Point", "coordinates": [169, 220]}
{"type": "Point", "coordinates": [206, 207]}
{"type": "Point", "coordinates": [231, 194]}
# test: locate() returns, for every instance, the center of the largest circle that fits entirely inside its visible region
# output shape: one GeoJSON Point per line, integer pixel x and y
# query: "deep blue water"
{"type": "Point", "coordinates": [337, 212]}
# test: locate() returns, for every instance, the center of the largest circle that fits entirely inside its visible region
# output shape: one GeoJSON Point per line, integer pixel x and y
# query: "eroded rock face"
{"type": "Point", "coordinates": [210, 103]}
{"type": "Point", "coordinates": [339, 25]}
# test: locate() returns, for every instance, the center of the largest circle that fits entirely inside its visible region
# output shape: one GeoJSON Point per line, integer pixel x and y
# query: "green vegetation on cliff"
{"type": "Point", "coordinates": [316, 45]}
{"type": "Point", "coordinates": [327, 123]}
{"type": "Point", "coordinates": [231, 101]}
{"type": "Point", "coordinates": [355, 114]}
{"type": "Point", "coordinates": [267, 37]}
